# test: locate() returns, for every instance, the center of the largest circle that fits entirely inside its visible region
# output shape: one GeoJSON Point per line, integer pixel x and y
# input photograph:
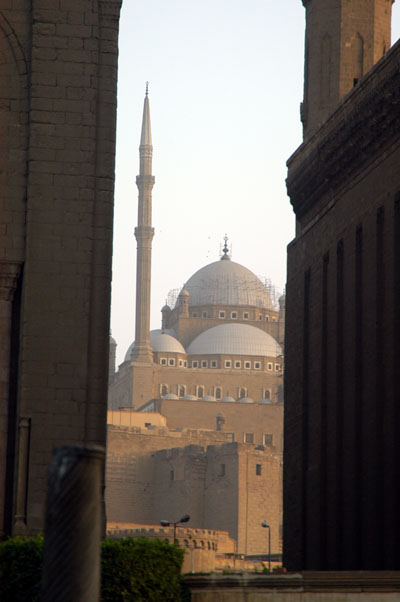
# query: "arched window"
{"type": "Point", "coordinates": [164, 389]}
{"type": "Point", "coordinates": [242, 393]}
{"type": "Point", "coordinates": [218, 392]}
{"type": "Point", "coordinates": [200, 392]}
{"type": "Point", "coordinates": [182, 391]}
{"type": "Point", "coordinates": [267, 394]}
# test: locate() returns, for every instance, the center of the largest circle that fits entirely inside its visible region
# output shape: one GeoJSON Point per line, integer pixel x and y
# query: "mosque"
{"type": "Point", "coordinates": [221, 337]}
{"type": "Point", "coordinates": [196, 408]}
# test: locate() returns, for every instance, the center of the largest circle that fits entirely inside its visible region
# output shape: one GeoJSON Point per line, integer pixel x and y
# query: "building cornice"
{"type": "Point", "coordinates": [307, 581]}
{"type": "Point", "coordinates": [366, 122]}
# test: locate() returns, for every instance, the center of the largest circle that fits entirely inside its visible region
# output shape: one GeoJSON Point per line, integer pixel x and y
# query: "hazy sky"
{"type": "Point", "coordinates": [226, 82]}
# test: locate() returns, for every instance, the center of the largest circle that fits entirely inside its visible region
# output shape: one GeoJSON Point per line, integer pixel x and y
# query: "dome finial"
{"type": "Point", "coordinates": [147, 88]}
{"type": "Point", "coordinates": [225, 250]}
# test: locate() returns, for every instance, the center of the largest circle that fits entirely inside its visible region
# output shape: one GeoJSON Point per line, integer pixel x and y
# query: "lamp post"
{"type": "Point", "coordinates": [167, 523]}
{"type": "Point", "coordinates": [267, 526]}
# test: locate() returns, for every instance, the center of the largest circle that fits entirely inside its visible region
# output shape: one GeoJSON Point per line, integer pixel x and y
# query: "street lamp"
{"type": "Point", "coordinates": [266, 526]}
{"type": "Point", "coordinates": [167, 523]}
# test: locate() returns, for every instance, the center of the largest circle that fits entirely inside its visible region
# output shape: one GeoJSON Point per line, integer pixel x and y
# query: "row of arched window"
{"type": "Point", "coordinates": [180, 391]}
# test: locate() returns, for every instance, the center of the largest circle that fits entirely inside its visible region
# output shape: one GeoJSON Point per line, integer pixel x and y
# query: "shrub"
{"type": "Point", "coordinates": [131, 570]}
{"type": "Point", "coordinates": [21, 560]}
{"type": "Point", "coordinates": [140, 570]}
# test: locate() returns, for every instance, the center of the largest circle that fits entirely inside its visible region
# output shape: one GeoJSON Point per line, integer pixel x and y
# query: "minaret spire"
{"type": "Point", "coordinates": [225, 250]}
{"type": "Point", "coordinates": [144, 232]}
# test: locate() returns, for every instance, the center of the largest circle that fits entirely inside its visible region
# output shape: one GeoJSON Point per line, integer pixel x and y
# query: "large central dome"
{"type": "Point", "coordinates": [227, 283]}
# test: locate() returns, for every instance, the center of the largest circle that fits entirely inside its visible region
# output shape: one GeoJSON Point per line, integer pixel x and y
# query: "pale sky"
{"type": "Point", "coordinates": [226, 82]}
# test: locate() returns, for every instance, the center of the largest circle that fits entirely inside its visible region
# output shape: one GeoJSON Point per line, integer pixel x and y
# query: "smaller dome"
{"type": "Point", "coordinates": [170, 396]}
{"type": "Point", "coordinates": [190, 398]}
{"type": "Point", "coordinates": [166, 308]}
{"type": "Point", "coordinates": [265, 401]}
{"type": "Point", "coordinates": [229, 399]}
{"type": "Point", "coordinates": [245, 400]}
{"type": "Point", "coordinates": [209, 398]}
{"type": "Point", "coordinates": [184, 293]}
{"type": "Point", "coordinates": [112, 341]}
{"type": "Point", "coordinates": [161, 341]}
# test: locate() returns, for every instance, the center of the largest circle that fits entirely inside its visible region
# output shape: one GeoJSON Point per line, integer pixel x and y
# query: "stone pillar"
{"type": "Point", "coordinates": [24, 427]}
{"type": "Point", "coordinates": [71, 571]}
{"type": "Point", "coordinates": [8, 281]}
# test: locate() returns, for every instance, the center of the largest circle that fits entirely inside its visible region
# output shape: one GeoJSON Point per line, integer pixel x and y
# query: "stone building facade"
{"type": "Point", "coordinates": [342, 492]}
{"type": "Point", "coordinates": [58, 75]}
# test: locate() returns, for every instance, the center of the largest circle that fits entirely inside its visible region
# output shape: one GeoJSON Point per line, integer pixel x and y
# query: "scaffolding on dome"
{"type": "Point", "coordinates": [172, 297]}
{"type": "Point", "coordinates": [271, 289]}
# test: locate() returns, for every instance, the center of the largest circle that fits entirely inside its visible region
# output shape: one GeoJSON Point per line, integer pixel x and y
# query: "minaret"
{"type": "Point", "coordinates": [344, 40]}
{"type": "Point", "coordinates": [142, 352]}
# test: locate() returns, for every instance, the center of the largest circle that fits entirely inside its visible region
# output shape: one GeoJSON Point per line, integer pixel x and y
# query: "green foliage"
{"type": "Point", "coordinates": [132, 570]}
{"type": "Point", "coordinates": [138, 570]}
{"type": "Point", "coordinates": [21, 560]}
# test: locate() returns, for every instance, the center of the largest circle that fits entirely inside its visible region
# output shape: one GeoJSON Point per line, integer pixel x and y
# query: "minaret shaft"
{"type": "Point", "coordinates": [144, 232]}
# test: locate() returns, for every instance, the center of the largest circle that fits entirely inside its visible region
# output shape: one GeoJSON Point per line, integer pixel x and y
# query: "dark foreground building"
{"type": "Point", "coordinates": [58, 81]}
{"type": "Point", "coordinates": [342, 395]}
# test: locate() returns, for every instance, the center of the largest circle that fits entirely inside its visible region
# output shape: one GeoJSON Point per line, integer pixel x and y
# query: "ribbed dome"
{"type": "Point", "coordinates": [162, 342]}
{"type": "Point", "coordinates": [227, 283]}
{"type": "Point", "coordinates": [245, 400]}
{"type": "Point", "coordinates": [235, 339]}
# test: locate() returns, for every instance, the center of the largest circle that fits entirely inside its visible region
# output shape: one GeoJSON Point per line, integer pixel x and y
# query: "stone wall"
{"type": "Point", "coordinates": [163, 475]}
{"type": "Point", "coordinates": [130, 476]}
{"type": "Point", "coordinates": [204, 548]}
{"type": "Point", "coordinates": [239, 418]}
